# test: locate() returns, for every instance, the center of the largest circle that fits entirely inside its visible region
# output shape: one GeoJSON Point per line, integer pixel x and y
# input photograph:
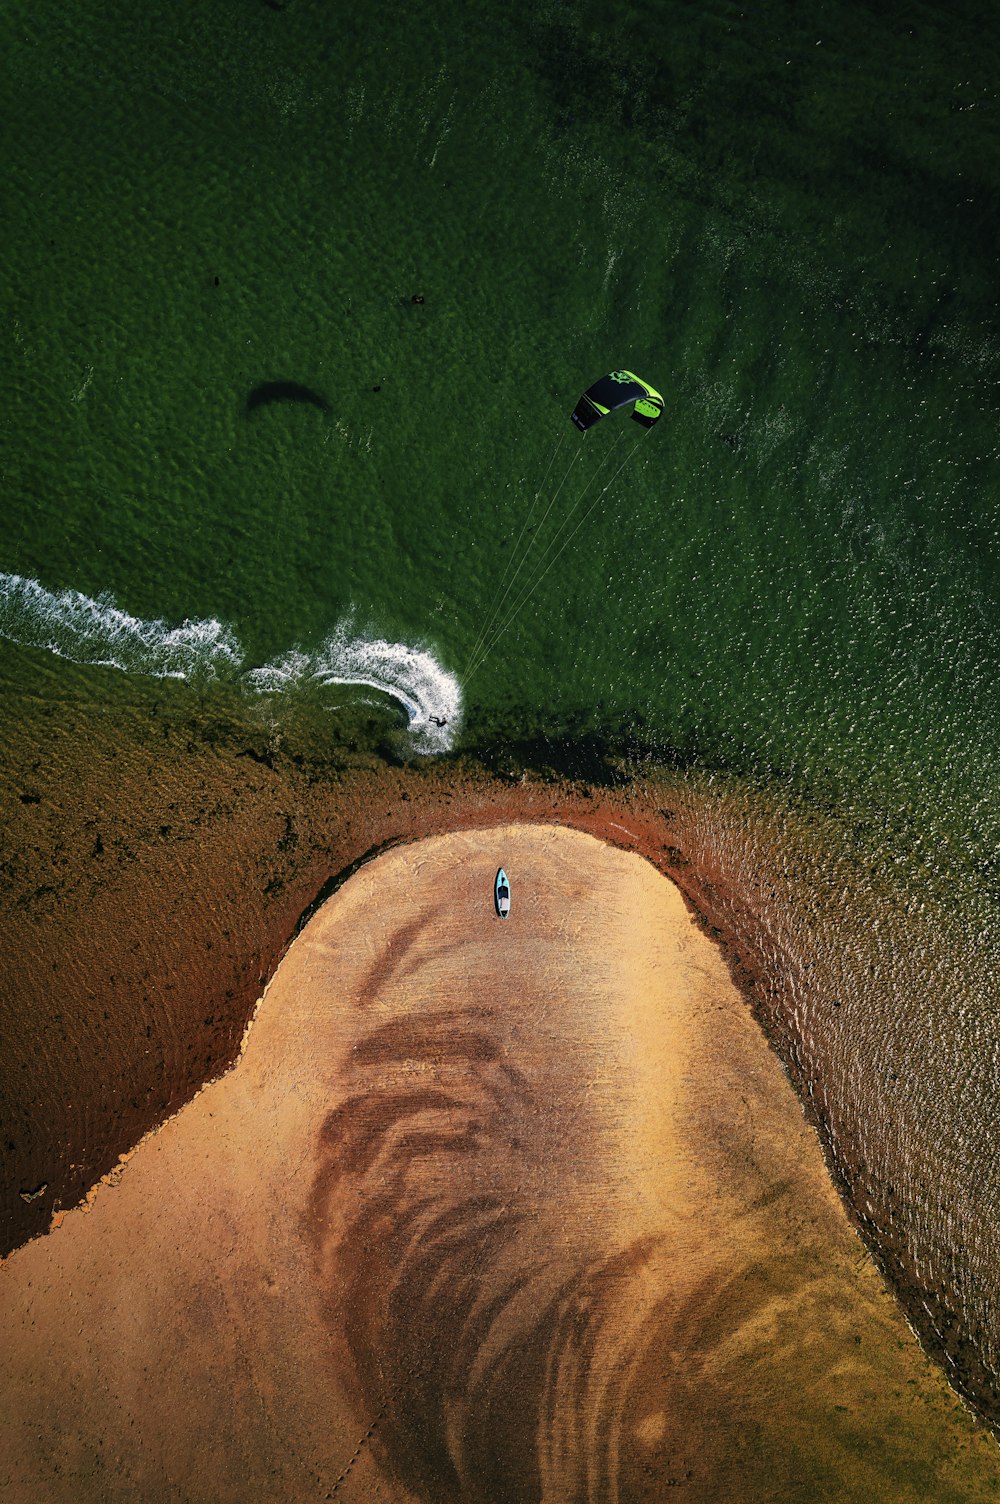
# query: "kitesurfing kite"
{"type": "Point", "coordinates": [619, 389]}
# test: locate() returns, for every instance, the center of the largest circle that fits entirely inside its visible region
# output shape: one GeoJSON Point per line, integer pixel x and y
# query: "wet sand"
{"type": "Point", "coordinates": [486, 1211]}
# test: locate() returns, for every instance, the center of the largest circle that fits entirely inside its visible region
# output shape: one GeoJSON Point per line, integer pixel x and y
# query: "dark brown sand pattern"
{"type": "Point", "coordinates": [486, 1211]}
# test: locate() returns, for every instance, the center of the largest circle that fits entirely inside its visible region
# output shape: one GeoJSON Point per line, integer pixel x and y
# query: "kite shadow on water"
{"type": "Point", "coordinates": [267, 393]}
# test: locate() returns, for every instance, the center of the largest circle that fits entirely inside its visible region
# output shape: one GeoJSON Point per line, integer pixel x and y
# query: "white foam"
{"type": "Point", "coordinates": [94, 630]}
{"type": "Point", "coordinates": [410, 675]}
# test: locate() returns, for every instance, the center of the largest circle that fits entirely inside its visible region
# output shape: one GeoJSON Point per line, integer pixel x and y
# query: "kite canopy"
{"type": "Point", "coordinates": [619, 389]}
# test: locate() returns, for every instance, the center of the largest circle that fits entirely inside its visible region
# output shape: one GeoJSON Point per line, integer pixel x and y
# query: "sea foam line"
{"type": "Point", "coordinates": [94, 630]}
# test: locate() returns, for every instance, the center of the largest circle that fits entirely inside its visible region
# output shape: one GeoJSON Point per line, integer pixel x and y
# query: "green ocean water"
{"type": "Point", "coordinates": [786, 221]}
{"type": "Point", "coordinates": [784, 217]}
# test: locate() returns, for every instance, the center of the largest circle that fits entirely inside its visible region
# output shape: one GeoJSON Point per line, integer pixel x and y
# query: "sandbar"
{"type": "Point", "coordinates": [486, 1210]}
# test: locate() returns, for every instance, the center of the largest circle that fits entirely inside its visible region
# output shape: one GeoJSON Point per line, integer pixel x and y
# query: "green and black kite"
{"type": "Point", "coordinates": [619, 389]}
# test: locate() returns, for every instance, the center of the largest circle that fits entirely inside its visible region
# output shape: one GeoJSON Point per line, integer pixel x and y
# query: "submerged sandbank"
{"type": "Point", "coordinates": [496, 1210]}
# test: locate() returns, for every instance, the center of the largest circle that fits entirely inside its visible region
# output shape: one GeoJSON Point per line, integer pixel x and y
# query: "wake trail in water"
{"type": "Point", "coordinates": [94, 630]}
{"type": "Point", "coordinates": [410, 675]}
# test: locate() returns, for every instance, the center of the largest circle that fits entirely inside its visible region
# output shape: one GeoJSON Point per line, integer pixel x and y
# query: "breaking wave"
{"type": "Point", "coordinates": [94, 630]}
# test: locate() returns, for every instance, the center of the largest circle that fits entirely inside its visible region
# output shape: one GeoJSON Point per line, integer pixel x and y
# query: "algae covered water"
{"type": "Point", "coordinates": [299, 299]}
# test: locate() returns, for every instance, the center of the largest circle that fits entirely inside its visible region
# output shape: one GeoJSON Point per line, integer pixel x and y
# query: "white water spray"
{"type": "Point", "coordinates": [94, 630]}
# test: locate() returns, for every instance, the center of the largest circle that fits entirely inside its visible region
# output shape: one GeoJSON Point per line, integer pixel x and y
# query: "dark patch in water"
{"type": "Point", "coordinates": [266, 757]}
{"type": "Point", "coordinates": [265, 393]}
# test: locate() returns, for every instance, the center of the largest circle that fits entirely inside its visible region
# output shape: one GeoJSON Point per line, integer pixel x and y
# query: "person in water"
{"type": "Point", "coordinates": [437, 720]}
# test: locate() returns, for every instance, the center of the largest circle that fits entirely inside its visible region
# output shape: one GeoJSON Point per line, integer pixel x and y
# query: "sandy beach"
{"type": "Point", "coordinates": [485, 1211]}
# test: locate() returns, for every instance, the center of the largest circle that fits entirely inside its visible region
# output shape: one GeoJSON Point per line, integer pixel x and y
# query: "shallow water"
{"type": "Point", "coordinates": [788, 224]}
